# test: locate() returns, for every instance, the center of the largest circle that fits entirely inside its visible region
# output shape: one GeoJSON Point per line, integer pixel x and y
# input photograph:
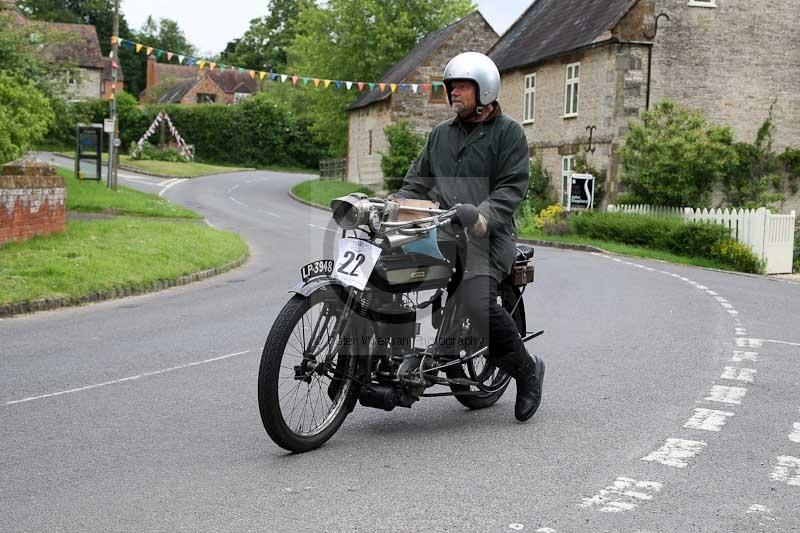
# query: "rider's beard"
{"type": "Point", "coordinates": [460, 109]}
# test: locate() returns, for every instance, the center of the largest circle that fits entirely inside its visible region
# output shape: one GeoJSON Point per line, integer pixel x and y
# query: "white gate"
{"type": "Point", "coordinates": [771, 237]}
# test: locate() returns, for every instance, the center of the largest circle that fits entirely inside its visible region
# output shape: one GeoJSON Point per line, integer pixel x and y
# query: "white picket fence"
{"type": "Point", "coordinates": [771, 237]}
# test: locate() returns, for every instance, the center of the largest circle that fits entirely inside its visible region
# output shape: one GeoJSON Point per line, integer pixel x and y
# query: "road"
{"type": "Point", "coordinates": [671, 404]}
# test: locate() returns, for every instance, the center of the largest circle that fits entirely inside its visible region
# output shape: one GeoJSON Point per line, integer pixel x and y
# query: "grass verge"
{"type": "Point", "coordinates": [625, 249]}
{"type": "Point", "coordinates": [95, 197]}
{"type": "Point", "coordinates": [164, 168]}
{"type": "Point", "coordinates": [321, 192]}
{"type": "Point", "coordinates": [100, 255]}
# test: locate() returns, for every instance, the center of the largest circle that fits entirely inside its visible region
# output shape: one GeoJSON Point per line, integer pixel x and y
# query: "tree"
{"type": "Point", "coordinates": [263, 46]}
{"type": "Point", "coordinates": [25, 114]}
{"type": "Point", "coordinates": [358, 40]}
{"type": "Point", "coordinates": [673, 158]}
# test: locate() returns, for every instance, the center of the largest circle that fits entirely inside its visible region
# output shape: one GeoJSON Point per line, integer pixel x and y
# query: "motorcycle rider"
{"type": "Point", "coordinates": [481, 157]}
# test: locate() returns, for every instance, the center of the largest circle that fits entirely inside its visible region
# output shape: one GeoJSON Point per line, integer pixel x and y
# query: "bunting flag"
{"type": "Point", "coordinates": [201, 63]}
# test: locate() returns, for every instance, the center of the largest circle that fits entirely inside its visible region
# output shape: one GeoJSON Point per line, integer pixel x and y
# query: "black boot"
{"type": "Point", "coordinates": [528, 371]}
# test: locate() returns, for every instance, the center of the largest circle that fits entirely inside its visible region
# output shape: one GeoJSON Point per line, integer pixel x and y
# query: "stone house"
{"type": "Point", "coordinates": [186, 84]}
{"type": "Point", "coordinates": [568, 66]}
{"type": "Point", "coordinates": [376, 109]}
{"type": "Point", "coordinates": [87, 73]}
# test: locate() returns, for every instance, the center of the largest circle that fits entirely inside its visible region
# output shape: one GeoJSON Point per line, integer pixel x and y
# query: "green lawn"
{"type": "Point", "coordinates": [95, 197]}
{"type": "Point", "coordinates": [100, 255]}
{"type": "Point", "coordinates": [321, 192]}
{"type": "Point", "coordinates": [624, 249]}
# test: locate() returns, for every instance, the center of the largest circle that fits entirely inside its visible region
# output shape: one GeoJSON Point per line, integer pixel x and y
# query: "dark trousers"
{"type": "Point", "coordinates": [478, 296]}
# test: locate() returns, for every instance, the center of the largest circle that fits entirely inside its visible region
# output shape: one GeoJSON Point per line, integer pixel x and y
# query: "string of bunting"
{"type": "Point", "coordinates": [186, 152]}
{"type": "Point", "coordinates": [414, 88]}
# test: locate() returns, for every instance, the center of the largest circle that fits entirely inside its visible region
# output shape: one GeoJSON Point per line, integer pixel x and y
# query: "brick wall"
{"type": "Point", "coordinates": [32, 201]}
{"type": "Point", "coordinates": [207, 86]}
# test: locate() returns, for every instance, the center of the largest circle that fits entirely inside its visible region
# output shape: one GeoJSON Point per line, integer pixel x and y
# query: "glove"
{"type": "Point", "coordinates": [480, 228]}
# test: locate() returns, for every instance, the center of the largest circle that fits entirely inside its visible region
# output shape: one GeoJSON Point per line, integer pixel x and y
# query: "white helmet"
{"type": "Point", "coordinates": [475, 67]}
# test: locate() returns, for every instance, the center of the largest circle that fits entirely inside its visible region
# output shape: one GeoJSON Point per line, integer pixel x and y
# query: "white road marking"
{"type": "Point", "coordinates": [516, 527]}
{"type": "Point", "coordinates": [702, 287]}
{"type": "Point", "coordinates": [676, 452]}
{"type": "Point", "coordinates": [739, 356]}
{"type": "Point", "coordinates": [726, 305]}
{"type": "Point", "coordinates": [546, 530]}
{"type": "Point", "coordinates": [761, 510]}
{"type": "Point", "coordinates": [732, 312]}
{"type": "Point", "coordinates": [712, 293]}
{"type": "Point", "coordinates": [708, 419]}
{"type": "Point", "coordinates": [623, 489]}
{"type": "Point", "coordinates": [237, 201]}
{"type": "Point", "coordinates": [720, 299]}
{"type": "Point", "coordinates": [233, 188]}
{"type": "Point", "coordinates": [738, 374]}
{"type": "Point", "coordinates": [741, 331]}
{"type": "Point", "coordinates": [749, 343]}
{"type": "Point", "coordinates": [728, 395]}
{"type": "Point", "coordinates": [787, 470]}
{"type": "Point", "coordinates": [168, 185]}
{"type": "Point", "coordinates": [129, 378]}
{"type": "Point", "coordinates": [794, 436]}
{"type": "Point", "coordinates": [778, 342]}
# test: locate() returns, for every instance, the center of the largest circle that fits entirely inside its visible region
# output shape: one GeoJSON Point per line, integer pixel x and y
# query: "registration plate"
{"type": "Point", "coordinates": [316, 269]}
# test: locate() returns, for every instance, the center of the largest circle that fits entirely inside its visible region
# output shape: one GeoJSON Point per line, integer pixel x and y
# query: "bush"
{"type": "Point", "coordinates": [549, 215]}
{"type": "Point", "coordinates": [153, 153]}
{"type": "Point", "coordinates": [673, 158]}
{"type": "Point", "coordinates": [738, 256]}
{"type": "Point", "coordinates": [636, 230]}
{"type": "Point", "coordinates": [404, 147]}
{"type": "Point", "coordinates": [696, 239]}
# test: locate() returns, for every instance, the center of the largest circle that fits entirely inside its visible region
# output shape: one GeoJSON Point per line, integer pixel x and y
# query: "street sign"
{"type": "Point", "coordinates": [581, 193]}
{"type": "Point", "coordinates": [108, 125]}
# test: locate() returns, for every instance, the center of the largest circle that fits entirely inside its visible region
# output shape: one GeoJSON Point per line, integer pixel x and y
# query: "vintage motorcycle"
{"type": "Point", "coordinates": [348, 333]}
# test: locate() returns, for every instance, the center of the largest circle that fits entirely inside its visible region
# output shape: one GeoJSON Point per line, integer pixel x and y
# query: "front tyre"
{"type": "Point", "coordinates": [305, 385]}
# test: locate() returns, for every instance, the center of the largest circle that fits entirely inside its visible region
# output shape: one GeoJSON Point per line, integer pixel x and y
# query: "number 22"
{"type": "Point", "coordinates": [350, 256]}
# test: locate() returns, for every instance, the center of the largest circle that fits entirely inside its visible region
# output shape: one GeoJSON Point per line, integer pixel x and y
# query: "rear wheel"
{"type": "Point", "coordinates": [305, 385]}
{"type": "Point", "coordinates": [493, 380]}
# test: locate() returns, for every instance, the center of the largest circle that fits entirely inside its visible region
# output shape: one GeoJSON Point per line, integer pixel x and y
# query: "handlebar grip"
{"type": "Point", "coordinates": [466, 215]}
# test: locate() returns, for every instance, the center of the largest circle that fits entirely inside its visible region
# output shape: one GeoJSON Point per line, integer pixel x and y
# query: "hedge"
{"type": "Point", "coordinates": [257, 132]}
{"type": "Point", "coordinates": [671, 234]}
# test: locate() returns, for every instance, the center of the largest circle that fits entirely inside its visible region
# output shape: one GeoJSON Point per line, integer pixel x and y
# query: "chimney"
{"type": "Point", "coordinates": [152, 73]}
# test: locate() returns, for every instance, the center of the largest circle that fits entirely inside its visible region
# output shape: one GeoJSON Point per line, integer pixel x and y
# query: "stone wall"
{"type": "Point", "coordinates": [474, 35]}
{"type": "Point", "coordinates": [733, 62]}
{"type": "Point", "coordinates": [88, 84]}
{"type": "Point", "coordinates": [32, 201]}
{"type": "Point", "coordinates": [363, 157]}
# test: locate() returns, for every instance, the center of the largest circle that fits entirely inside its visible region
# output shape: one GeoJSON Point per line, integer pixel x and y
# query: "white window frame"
{"type": "Point", "coordinates": [703, 3]}
{"type": "Point", "coordinates": [567, 170]}
{"type": "Point", "coordinates": [529, 99]}
{"type": "Point", "coordinates": [571, 89]}
{"type": "Point", "coordinates": [241, 97]}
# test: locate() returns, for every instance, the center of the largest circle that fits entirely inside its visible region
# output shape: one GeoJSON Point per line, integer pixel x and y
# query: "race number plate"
{"type": "Point", "coordinates": [355, 262]}
{"type": "Point", "coordinates": [316, 269]}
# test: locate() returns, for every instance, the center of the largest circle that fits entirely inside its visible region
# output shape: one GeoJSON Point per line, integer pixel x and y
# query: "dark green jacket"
{"type": "Point", "coordinates": [489, 168]}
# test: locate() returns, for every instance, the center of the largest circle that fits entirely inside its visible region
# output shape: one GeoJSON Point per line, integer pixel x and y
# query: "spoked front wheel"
{"type": "Point", "coordinates": [305, 385]}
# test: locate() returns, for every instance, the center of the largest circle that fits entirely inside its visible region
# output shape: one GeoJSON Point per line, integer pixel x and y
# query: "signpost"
{"type": "Point", "coordinates": [581, 194]}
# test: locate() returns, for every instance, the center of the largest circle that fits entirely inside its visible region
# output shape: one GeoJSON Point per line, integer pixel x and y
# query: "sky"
{"type": "Point", "coordinates": [210, 28]}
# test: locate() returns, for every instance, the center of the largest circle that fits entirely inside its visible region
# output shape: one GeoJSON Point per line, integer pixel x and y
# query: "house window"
{"type": "Point", "coordinates": [529, 106]}
{"type": "Point", "coordinates": [438, 95]}
{"type": "Point", "coordinates": [571, 90]}
{"type": "Point", "coordinates": [567, 168]}
{"type": "Point", "coordinates": [240, 97]}
{"type": "Point", "coordinates": [71, 77]}
{"type": "Point", "coordinates": [206, 98]}
{"type": "Point", "coordinates": [703, 3]}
